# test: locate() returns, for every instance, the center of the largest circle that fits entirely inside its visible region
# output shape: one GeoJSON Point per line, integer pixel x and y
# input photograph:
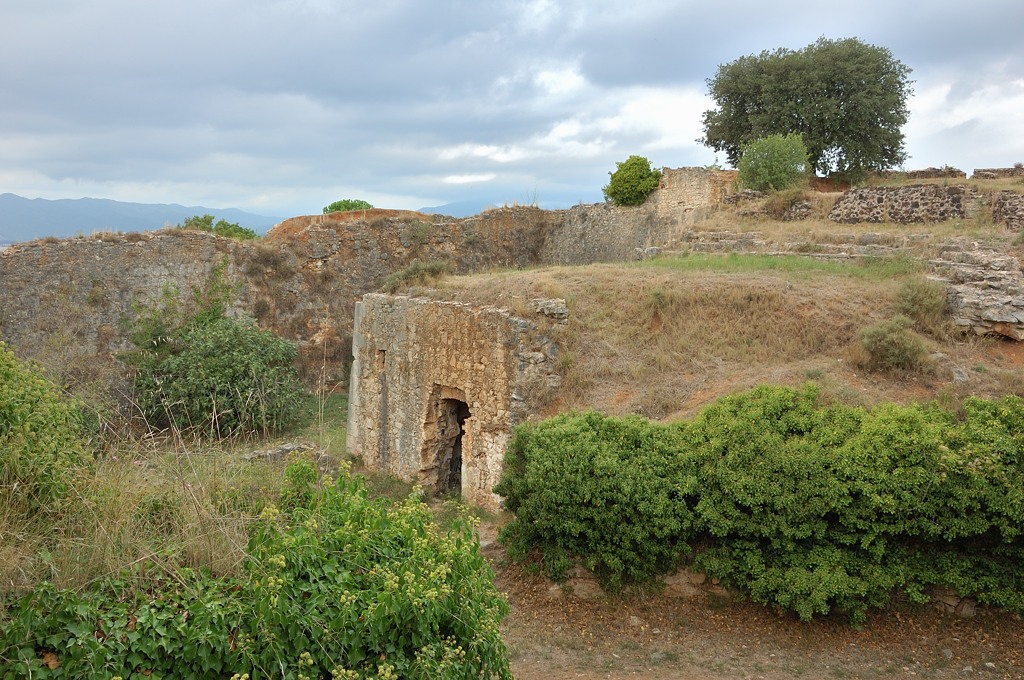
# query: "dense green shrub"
{"type": "Point", "coordinates": [222, 227]}
{"type": "Point", "coordinates": [601, 489]}
{"type": "Point", "coordinates": [347, 204]}
{"type": "Point", "coordinates": [340, 587]}
{"type": "Point", "coordinates": [632, 181]}
{"type": "Point", "coordinates": [799, 506]}
{"type": "Point", "coordinates": [197, 369]}
{"type": "Point", "coordinates": [773, 163]}
{"type": "Point", "coordinates": [43, 440]}
{"type": "Point", "coordinates": [892, 345]}
{"type": "Point", "coordinates": [221, 377]}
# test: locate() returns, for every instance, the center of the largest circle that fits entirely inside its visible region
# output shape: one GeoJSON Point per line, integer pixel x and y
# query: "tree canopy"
{"type": "Point", "coordinates": [847, 99]}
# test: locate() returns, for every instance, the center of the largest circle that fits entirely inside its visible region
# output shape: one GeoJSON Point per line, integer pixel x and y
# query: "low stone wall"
{"type": "Point", "coordinates": [915, 203]}
{"type": "Point", "coordinates": [998, 173]}
{"type": "Point", "coordinates": [1009, 209]}
{"type": "Point", "coordinates": [436, 388]}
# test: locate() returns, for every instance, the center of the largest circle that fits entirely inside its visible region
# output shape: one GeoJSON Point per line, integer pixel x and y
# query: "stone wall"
{"type": "Point", "coordinates": [914, 203]}
{"type": "Point", "coordinates": [998, 173]}
{"type": "Point", "coordinates": [1009, 209]}
{"type": "Point", "coordinates": [686, 195]}
{"type": "Point", "coordinates": [436, 388]}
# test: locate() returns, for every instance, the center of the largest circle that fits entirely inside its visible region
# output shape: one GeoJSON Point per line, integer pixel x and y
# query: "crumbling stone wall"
{"type": "Point", "coordinates": [998, 173]}
{"type": "Point", "coordinates": [686, 195]}
{"type": "Point", "coordinates": [1009, 209]}
{"type": "Point", "coordinates": [914, 203]}
{"type": "Point", "coordinates": [436, 388]}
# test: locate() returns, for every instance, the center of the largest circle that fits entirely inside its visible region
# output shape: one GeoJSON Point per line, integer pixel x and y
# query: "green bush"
{"type": "Point", "coordinates": [803, 507]}
{"type": "Point", "coordinates": [43, 440]}
{"type": "Point", "coordinates": [773, 163]}
{"type": "Point", "coordinates": [347, 204]}
{"type": "Point", "coordinates": [341, 587]}
{"type": "Point", "coordinates": [891, 345]}
{"type": "Point", "coordinates": [416, 274]}
{"type": "Point", "coordinates": [632, 182]}
{"type": "Point", "coordinates": [221, 228]}
{"type": "Point", "coordinates": [604, 490]}
{"type": "Point", "coordinates": [220, 378]}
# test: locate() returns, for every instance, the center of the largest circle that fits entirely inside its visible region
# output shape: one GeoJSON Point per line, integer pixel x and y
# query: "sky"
{"type": "Point", "coordinates": [280, 107]}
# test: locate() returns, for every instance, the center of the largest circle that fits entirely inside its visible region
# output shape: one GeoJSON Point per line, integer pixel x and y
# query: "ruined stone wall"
{"type": "Point", "coordinates": [686, 195]}
{"type": "Point", "coordinates": [1009, 209]}
{"type": "Point", "coordinates": [915, 203]}
{"type": "Point", "coordinates": [413, 354]}
{"type": "Point", "coordinates": [998, 173]}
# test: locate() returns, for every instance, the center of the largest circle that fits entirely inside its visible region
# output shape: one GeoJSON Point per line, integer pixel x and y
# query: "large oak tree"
{"type": "Point", "coordinates": [847, 99]}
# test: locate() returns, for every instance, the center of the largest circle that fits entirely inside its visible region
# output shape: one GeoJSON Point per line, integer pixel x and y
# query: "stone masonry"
{"type": "Point", "coordinates": [436, 388]}
{"type": "Point", "coordinates": [914, 203]}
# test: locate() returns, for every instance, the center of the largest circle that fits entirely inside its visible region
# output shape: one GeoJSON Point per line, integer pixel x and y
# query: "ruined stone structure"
{"type": "Point", "coordinates": [998, 173]}
{"type": "Point", "coordinates": [915, 203]}
{"type": "Point", "coordinates": [436, 388]}
{"type": "Point", "coordinates": [686, 195]}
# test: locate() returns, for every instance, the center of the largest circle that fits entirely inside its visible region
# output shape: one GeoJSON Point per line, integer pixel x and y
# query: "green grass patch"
{"type": "Point", "coordinates": [868, 268]}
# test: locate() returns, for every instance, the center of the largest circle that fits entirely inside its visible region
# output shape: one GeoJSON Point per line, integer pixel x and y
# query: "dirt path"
{"type": "Point", "coordinates": [552, 635]}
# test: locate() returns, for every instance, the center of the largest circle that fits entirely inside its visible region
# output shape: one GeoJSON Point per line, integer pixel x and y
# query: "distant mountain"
{"type": "Point", "coordinates": [458, 209]}
{"type": "Point", "coordinates": [25, 219]}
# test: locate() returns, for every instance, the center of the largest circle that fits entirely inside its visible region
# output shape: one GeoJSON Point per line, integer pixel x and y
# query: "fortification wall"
{"type": "Point", "coordinates": [914, 203]}
{"type": "Point", "coordinates": [998, 173]}
{"type": "Point", "coordinates": [436, 388]}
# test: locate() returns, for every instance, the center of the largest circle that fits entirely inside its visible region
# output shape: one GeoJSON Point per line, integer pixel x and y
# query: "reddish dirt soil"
{"type": "Point", "coordinates": [552, 635]}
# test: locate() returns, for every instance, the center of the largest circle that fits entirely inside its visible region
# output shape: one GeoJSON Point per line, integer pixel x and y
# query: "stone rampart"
{"type": "Point", "coordinates": [998, 173]}
{"type": "Point", "coordinates": [905, 204]}
{"type": "Point", "coordinates": [1009, 209]}
{"type": "Point", "coordinates": [436, 388]}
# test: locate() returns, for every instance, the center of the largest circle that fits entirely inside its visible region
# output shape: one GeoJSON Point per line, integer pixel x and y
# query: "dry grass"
{"type": "Point", "coordinates": [665, 337]}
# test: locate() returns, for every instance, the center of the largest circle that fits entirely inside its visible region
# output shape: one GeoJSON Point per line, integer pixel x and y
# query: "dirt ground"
{"type": "Point", "coordinates": [554, 635]}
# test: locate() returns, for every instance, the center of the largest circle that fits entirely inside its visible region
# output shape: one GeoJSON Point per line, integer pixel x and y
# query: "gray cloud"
{"type": "Point", "coordinates": [281, 106]}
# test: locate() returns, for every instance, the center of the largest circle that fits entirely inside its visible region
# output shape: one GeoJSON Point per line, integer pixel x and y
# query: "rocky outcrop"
{"type": "Point", "coordinates": [986, 291]}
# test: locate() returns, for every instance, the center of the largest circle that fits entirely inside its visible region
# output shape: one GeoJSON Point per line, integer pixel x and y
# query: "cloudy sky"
{"type": "Point", "coordinates": [282, 106]}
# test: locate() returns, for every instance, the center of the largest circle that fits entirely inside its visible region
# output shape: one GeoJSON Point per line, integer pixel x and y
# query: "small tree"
{"type": "Point", "coordinates": [632, 182]}
{"type": "Point", "coordinates": [773, 163]}
{"type": "Point", "coordinates": [347, 204]}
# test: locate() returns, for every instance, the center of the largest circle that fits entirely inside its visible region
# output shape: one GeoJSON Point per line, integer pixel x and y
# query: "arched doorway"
{"type": "Point", "coordinates": [443, 432]}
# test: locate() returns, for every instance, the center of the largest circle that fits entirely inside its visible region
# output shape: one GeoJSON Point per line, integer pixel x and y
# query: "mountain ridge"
{"type": "Point", "coordinates": [25, 219]}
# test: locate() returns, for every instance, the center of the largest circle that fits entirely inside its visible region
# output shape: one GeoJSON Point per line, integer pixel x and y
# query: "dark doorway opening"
{"type": "Point", "coordinates": [444, 432]}
{"type": "Point", "coordinates": [452, 416]}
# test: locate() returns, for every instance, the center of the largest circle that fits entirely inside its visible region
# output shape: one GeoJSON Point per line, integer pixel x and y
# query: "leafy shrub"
{"type": "Point", "coordinates": [632, 182]}
{"type": "Point", "coordinates": [221, 228]}
{"type": "Point", "coordinates": [341, 587]}
{"type": "Point", "coordinates": [43, 440]}
{"type": "Point", "coordinates": [891, 345]}
{"type": "Point", "coordinates": [773, 163]}
{"type": "Point", "coordinates": [601, 489]}
{"type": "Point", "coordinates": [925, 302]}
{"type": "Point", "coordinates": [222, 377]}
{"type": "Point", "coordinates": [199, 370]}
{"type": "Point", "coordinates": [347, 204]}
{"type": "Point", "coordinates": [799, 506]}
